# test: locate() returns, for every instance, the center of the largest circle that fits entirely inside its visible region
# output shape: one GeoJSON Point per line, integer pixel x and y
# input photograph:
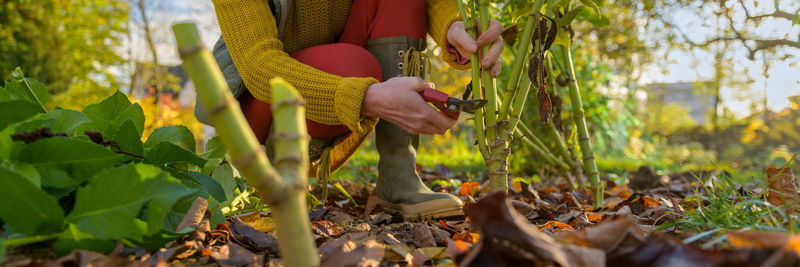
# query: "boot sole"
{"type": "Point", "coordinates": [428, 215]}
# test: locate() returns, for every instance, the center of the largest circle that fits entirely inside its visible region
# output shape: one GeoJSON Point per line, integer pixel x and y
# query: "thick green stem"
{"type": "Point", "coordinates": [487, 80]}
{"type": "Point", "coordinates": [589, 164]}
{"type": "Point", "coordinates": [521, 56]}
{"type": "Point", "coordinates": [285, 195]}
{"type": "Point", "coordinates": [476, 85]}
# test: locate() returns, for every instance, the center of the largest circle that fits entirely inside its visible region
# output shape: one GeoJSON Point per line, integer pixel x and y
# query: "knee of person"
{"type": "Point", "coordinates": [358, 61]}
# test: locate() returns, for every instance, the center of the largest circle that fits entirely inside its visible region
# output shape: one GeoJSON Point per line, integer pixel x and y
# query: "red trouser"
{"type": "Point", "coordinates": [348, 58]}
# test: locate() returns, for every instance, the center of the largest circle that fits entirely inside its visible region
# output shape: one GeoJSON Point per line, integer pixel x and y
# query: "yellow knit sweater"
{"type": "Point", "coordinates": [252, 38]}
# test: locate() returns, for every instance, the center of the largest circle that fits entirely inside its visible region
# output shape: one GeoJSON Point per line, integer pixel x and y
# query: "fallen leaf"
{"type": "Point", "coordinates": [506, 238]}
{"type": "Point", "coordinates": [606, 236]}
{"type": "Point", "coordinates": [260, 223]}
{"type": "Point", "coordinates": [326, 229]}
{"type": "Point", "coordinates": [555, 227]}
{"type": "Point", "coordinates": [249, 237]}
{"type": "Point", "coordinates": [782, 187]}
{"type": "Point", "coordinates": [457, 249]}
{"type": "Point", "coordinates": [195, 215]}
{"type": "Point", "coordinates": [467, 189]}
{"type": "Point", "coordinates": [232, 254]}
{"type": "Point", "coordinates": [372, 202]}
{"type": "Point", "coordinates": [353, 249]}
{"type": "Point", "coordinates": [423, 235]}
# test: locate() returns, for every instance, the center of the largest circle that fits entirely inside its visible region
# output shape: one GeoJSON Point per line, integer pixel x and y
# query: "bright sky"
{"type": "Point", "coordinates": [680, 66]}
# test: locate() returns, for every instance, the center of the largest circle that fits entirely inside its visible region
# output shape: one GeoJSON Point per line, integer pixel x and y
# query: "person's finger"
{"type": "Point", "coordinates": [496, 69]}
{"type": "Point", "coordinates": [460, 39]}
{"type": "Point", "coordinates": [494, 54]}
{"type": "Point", "coordinates": [439, 121]}
{"type": "Point", "coordinates": [491, 34]}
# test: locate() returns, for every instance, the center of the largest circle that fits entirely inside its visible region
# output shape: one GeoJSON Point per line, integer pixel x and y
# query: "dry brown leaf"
{"type": "Point", "coordinates": [195, 215]}
{"type": "Point", "coordinates": [249, 237]}
{"type": "Point", "coordinates": [606, 236]}
{"type": "Point", "coordinates": [507, 239]}
{"type": "Point", "coordinates": [232, 254]}
{"type": "Point", "coordinates": [353, 249]}
{"type": "Point", "coordinates": [260, 223]}
{"type": "Point", "coordinates": [423, 235]}
{"type": "Point", "coordinates": [782, 187]}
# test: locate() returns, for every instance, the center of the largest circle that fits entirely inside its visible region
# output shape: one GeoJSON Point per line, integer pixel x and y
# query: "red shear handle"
{"type": "Point", "coordinates": [439, 100]}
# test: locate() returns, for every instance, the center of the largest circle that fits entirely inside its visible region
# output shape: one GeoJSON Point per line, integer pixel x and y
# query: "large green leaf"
{"type": "Point", "coordinates": [165, 152]}
{"type": "Point", "coordinates": [78, 158]}
{"type": "Point", "coordinates": [108, 205]}
{"type": "Point", "coordinates": [2, 249]}
{"type": "Point", "coordinates": [25, 207]}
{"type": "Point", "coordinates": [128, 138]}
{"type": "Point", "coordinates": [17, 90]}
{"type": "Point", "coordinates": [210, 185]}
{"type": "Point", "coordinates": [73, 238]}
{"type": "Point", "coordinates": [16, 111]}
{"type": "Point", "coordinates": [27, 171]}
{"type": "Point", "coordinates": [110, 113]}
{"type": "Point", "coordinates": [223, 174]}
{"type": "Point", "coordinates": [179, 135]}
{"type": "Point", "coordinates": [67, 120]}
{"type": "Point", "coordinates": [214, 149]}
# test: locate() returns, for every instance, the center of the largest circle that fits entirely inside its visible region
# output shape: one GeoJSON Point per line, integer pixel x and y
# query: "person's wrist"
{"type": "Point", "coordinates": [367, 104]}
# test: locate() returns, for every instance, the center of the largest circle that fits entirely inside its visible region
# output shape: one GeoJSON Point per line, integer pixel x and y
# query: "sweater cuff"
{"type": "Point", "coordinates": [347, 102]}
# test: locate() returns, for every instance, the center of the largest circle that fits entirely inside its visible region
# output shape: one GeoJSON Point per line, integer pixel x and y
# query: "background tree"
{"type": "Point", "coordinates": [63, 43]}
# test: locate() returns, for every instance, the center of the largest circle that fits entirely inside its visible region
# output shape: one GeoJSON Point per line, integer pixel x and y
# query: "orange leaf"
{"type": "Point", "coordinates": [650, 202]}
{"type": "Point", "coordinates": [468, 188]}
{"type": "Point", "coordinates": [594, 217]}
{"type": "Point", "coordinates": [782, 188]}
{"type": "Point", "coordinates": [555, 227]}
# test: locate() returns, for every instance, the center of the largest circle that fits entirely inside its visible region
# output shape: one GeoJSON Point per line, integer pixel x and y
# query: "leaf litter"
{"type": "Point", "coordinates": [534, 225]}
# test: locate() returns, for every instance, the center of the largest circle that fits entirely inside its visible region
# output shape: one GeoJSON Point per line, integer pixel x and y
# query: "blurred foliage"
{"type": "Point", "coordinates": [63, 43]}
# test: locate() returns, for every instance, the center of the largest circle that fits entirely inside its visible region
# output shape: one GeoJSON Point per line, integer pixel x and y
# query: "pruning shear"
{"type": "Point", "coordinates": [451, 106]}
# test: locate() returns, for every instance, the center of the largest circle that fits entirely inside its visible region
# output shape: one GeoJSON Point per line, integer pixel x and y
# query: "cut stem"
{"type": "Point", "coordinates": [285, 195]}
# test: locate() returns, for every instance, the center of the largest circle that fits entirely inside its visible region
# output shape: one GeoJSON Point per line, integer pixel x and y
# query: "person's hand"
{"type": "Point", "coordinates": [398, 101]}
{"type": "Point", "coordinates": [458, 37]}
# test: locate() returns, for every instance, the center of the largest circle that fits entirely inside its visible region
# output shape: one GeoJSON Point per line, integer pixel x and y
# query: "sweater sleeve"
{"type": "Point", "coordinates": [252, 38]}
{"type": "Point", "coordinates": [441, 14]}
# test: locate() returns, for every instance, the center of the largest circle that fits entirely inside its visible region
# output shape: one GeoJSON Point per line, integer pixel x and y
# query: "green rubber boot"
{"type": "Point", "coordinates": [399, 187]}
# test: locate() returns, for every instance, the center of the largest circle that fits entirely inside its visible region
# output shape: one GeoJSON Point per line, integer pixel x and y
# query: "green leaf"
{"type": "Point", "coordinates": [796, 20]}
{"type": "Point", "coordinates": [569, 17]}
{"type": "Point", "coordinates": [210, 185]}
{"type": "Point", "coordinates": [562, 38]}
{"type": "Point", "coordinates": [67, 120]}
{"type": "Point", "coordinates": [165, 153]}
{"type": "Point", "coordinates": [2, 250]}
{"type": "Point", "coordinates": [80, 159]}
{"type": "Point", "coordinates": [110, 113]}
{"type": "Point", "coordinates": [6, 144]}
{"type": "Point", "coordinates": [592, 4]}
{"type": "Point", "coordinates": [214, 149]}
{"type": "Point", "coordinates": [128, 138]}
{"type": "Point", "coordinates": [108, 205]}
{"type": "Point", "coordinates": [28, 171]}
{"type": "Point", "coordinates": [26, 208]}
{"type": "Point", "coordinates": [4, 95]}
{"type": "Point", "coordinates": [17, 90]}
{"type": "Point", "coordinates": [16, 111]}
{"type": "Point", "coordinates": [179, 135]}
{"type": "Point", "coordinates": [55, 177]}
{"type": "Point", "coordinates": [223, 174]}
{"type": "Point", "coordinates": [73, 238]}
